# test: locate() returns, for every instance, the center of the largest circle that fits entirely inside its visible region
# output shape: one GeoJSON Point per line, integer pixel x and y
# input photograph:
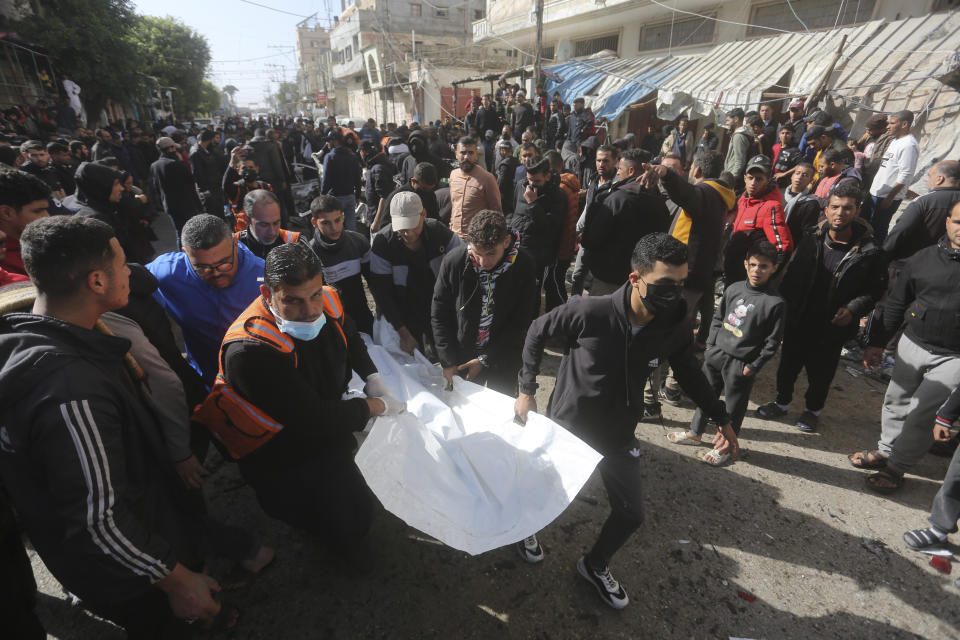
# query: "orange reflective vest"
{"type": "Point", "coordinates": [239, 425]}
{"type": "Point", "coordinates": [288, 237]}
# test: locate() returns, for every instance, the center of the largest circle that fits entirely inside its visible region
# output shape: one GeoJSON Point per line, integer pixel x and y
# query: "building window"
{"type": "Point", "coordinates": [348, 53]}
{"type": "Point", "coordinates": [815, 14]}
{"type": "Point", "coordinates": [374, 70]}
{"type": "Point", "coordinates": [677, 34]}
{"type": "Point", "coordinates": [416, 10]}
{"type": "Point", "coordinates": [945, 5]}
{"type": "Point", "coordinates": [478, 14]}
{"type": "Point", "coordinates": [441, 12]}
{"type": "Point", "coordinates": [547, 53]}
{"type": "Point", "coordinates": [594, 45]}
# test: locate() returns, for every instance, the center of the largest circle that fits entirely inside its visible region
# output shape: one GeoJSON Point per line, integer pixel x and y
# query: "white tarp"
{"type": "Point", "coordinates": [456, 466]}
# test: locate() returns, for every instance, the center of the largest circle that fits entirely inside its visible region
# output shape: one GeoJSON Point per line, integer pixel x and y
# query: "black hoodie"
{"type": "Point", "coordinates": [380, 180]}
{"type": "Point", "coordinates": [615, 222]}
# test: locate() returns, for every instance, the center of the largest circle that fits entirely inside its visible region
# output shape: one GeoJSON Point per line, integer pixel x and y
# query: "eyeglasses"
{"type": "Point", "coordinates": [221, 267]}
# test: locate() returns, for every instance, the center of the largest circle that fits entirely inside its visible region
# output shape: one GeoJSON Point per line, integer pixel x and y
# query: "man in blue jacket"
{"type": "Point", "coordinates": [206, 286]}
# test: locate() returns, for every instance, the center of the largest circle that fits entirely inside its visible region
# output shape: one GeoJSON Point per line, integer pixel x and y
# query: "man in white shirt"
{"type": "Point", "coordinates": [895, 173]}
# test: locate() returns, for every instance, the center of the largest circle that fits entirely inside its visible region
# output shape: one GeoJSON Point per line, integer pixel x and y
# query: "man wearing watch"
{"type": "Point", "coordinates": [616, 341]}
{"type": "Point", "coordinates": [484, 299]}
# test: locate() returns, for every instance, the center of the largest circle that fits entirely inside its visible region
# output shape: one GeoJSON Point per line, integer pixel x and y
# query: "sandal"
{"type": "Point", "coordinates": [714, 458]}
{"type": "Point", "coordinates": [868, 459]}
{"type": "Point", "coordinates": [920, 539]}
{"type": "Point", "coordinates": [683, 438]}
{"type": "Point", "coordinates": [895, 479]}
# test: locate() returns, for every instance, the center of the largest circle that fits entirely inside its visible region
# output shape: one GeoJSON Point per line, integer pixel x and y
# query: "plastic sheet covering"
{"type": "Point", "coordinates": [456, 467]}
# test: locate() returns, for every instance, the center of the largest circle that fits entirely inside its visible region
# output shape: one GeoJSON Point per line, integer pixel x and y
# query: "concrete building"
{"type": "Point", "coordinates": [313, 74]}
{"type": "Point", "coordinates": [393, 59]}
{"type": "Point", "coordinates": [577, 28]}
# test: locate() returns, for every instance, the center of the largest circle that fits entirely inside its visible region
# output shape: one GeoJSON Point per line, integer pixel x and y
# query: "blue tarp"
{"type": "Point", "coordinates": [634, 79]}
{"type": "Point", "coordinates": [578, 78]}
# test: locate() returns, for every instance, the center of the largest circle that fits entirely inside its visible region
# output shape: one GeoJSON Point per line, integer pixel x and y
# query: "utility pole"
{"type": "Point", "coordinates": [537, 56]}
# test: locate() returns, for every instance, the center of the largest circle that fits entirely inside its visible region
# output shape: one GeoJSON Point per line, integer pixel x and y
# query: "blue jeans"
{"type": "Point", "coordinates": [349, 204]}
{"type": "Point", "coordinates": [880, 220]}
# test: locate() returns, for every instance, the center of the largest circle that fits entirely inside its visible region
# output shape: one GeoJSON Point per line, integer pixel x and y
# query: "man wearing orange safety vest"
{"type": "Point", "coordinates": [278, 407]}
{"type": "Point", "coordinates": [264, 232]}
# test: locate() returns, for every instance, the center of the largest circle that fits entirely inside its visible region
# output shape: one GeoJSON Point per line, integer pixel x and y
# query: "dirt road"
{"type": "Point", "coordinates": [790, 525]}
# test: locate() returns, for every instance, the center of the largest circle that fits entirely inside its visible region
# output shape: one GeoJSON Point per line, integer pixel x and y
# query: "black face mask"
{"type": "Point", "coordinates": [662, 299]}
{"type": "Point", "coordinates": [249, 175]}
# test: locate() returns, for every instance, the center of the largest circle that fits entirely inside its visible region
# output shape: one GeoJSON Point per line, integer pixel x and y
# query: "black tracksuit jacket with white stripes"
{"type": "Point", "coordinates": [84, 462]}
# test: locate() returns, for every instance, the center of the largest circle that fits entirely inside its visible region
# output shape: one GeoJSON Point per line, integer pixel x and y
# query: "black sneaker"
{"type": "Point", "coordinates": [530, 550]}
{"type": "Point", "coordinates": [609, 589]}
{"type": "Point", "coordinates": [807, 422]}
{"type": "Point", "coordinates": [671, 397]}
{"type": "Point", "coordinates": [770, 411]}
{"type": "Point", "coordinates": [651, 412]}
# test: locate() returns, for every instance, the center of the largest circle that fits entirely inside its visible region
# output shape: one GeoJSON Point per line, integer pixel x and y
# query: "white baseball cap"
{"type": "Point", "coordinates": [405, 210]}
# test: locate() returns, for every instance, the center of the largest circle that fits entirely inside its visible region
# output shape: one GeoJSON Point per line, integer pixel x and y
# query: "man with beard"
{"type": "Point", "coordinates": [472, 188]}
{"type": "Point", "coordinates": [834, 279]}
{"type": "Point", "coordinates": [172, 180]}
{"type": "Point", "coordinates": [205, 287]}
{"type": "Point", "coordinates": [741, 137]}
{"type": "Point", "coordinates": [600, 181]}
{"type": "Point", "coordinates": [345, 256]}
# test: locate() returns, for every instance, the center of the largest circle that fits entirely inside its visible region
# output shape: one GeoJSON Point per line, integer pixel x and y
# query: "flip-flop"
{"type": "Point", "coordinates": [719, 459]}
{"type": "Point", "coordinates": [683, 438]}
{"type": "Point", "coordinates": [868, 459]}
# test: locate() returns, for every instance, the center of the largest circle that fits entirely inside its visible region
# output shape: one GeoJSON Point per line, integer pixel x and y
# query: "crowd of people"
{"type": "Point", "coordinates": [666, 270]}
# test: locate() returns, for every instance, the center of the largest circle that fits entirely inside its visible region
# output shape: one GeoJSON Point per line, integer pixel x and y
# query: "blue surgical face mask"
{"type": "Point", "coordinates": [301, 330]}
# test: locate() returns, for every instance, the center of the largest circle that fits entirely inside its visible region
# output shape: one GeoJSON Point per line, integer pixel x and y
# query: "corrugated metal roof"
{"type": "Point", "coordinates": [735, 74]}
{"type": "Point", "coordinates": [902, 59]}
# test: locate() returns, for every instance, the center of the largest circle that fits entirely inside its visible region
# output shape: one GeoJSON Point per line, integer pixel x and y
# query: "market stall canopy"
{"type": "Point", "coordinates": [737, 74]}
{"type": "Point", "coordinates": [610, 85]}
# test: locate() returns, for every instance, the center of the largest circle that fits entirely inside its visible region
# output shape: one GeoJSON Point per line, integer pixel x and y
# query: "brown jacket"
{"type": "Point", "coordinates": [470, 193]}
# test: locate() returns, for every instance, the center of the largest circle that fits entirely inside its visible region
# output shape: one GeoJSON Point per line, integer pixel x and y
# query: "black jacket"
{"type": "Point", "coordinates": [616, 220]}
{"type": "Point", "coordinates": [379, 180]}
{"type": "Point", "coordinates": [540, 222]}
{"type": "Point", "coordinates": [427, 198]}
{"type": "Point", "coordinates": [455, 314]}
{"type": "Point", "coordinates": [506, 171]}
{"type": "Point", "coordinates": [927, 298]}
{"type": "Point", "coordinates": [172, 179]}
{"type": "Point", "coordinates": [208, 168]}
{"type": "Point", "coordinates": [84, 462]}
{"type": "Point", "coordinates": [599, 389]}
{"type": "Point", "coordinates": [402, 280]}
{"type": "Point", "coordinates": [921, 224]}
{"type": "Point", "coordinates": [802, 214]}
{"type": "Point", "coordinates": [699, 224]}
{"type": "Point", "coordinates": [857, 284]}
{"type": "Point", "coordinates": [270, 161]}
{"type": "Point", "coordinates": [522, 117]}
{"type": "Point", "coordinates": [303, 392]}
{"type": "Point", "coordinates": [555, 129]}
{"type": "Point", "coordinates": [345, 261]}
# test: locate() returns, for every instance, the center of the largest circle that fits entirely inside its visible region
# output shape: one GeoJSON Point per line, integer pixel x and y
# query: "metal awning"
{"type": "Point", "coordinates": [736, 74]}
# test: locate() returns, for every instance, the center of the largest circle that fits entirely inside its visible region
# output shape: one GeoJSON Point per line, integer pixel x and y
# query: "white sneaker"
{"type": "Point", "coordinates": [530, 550]}
{"type": "Point", "coordinates": [609, 589]}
